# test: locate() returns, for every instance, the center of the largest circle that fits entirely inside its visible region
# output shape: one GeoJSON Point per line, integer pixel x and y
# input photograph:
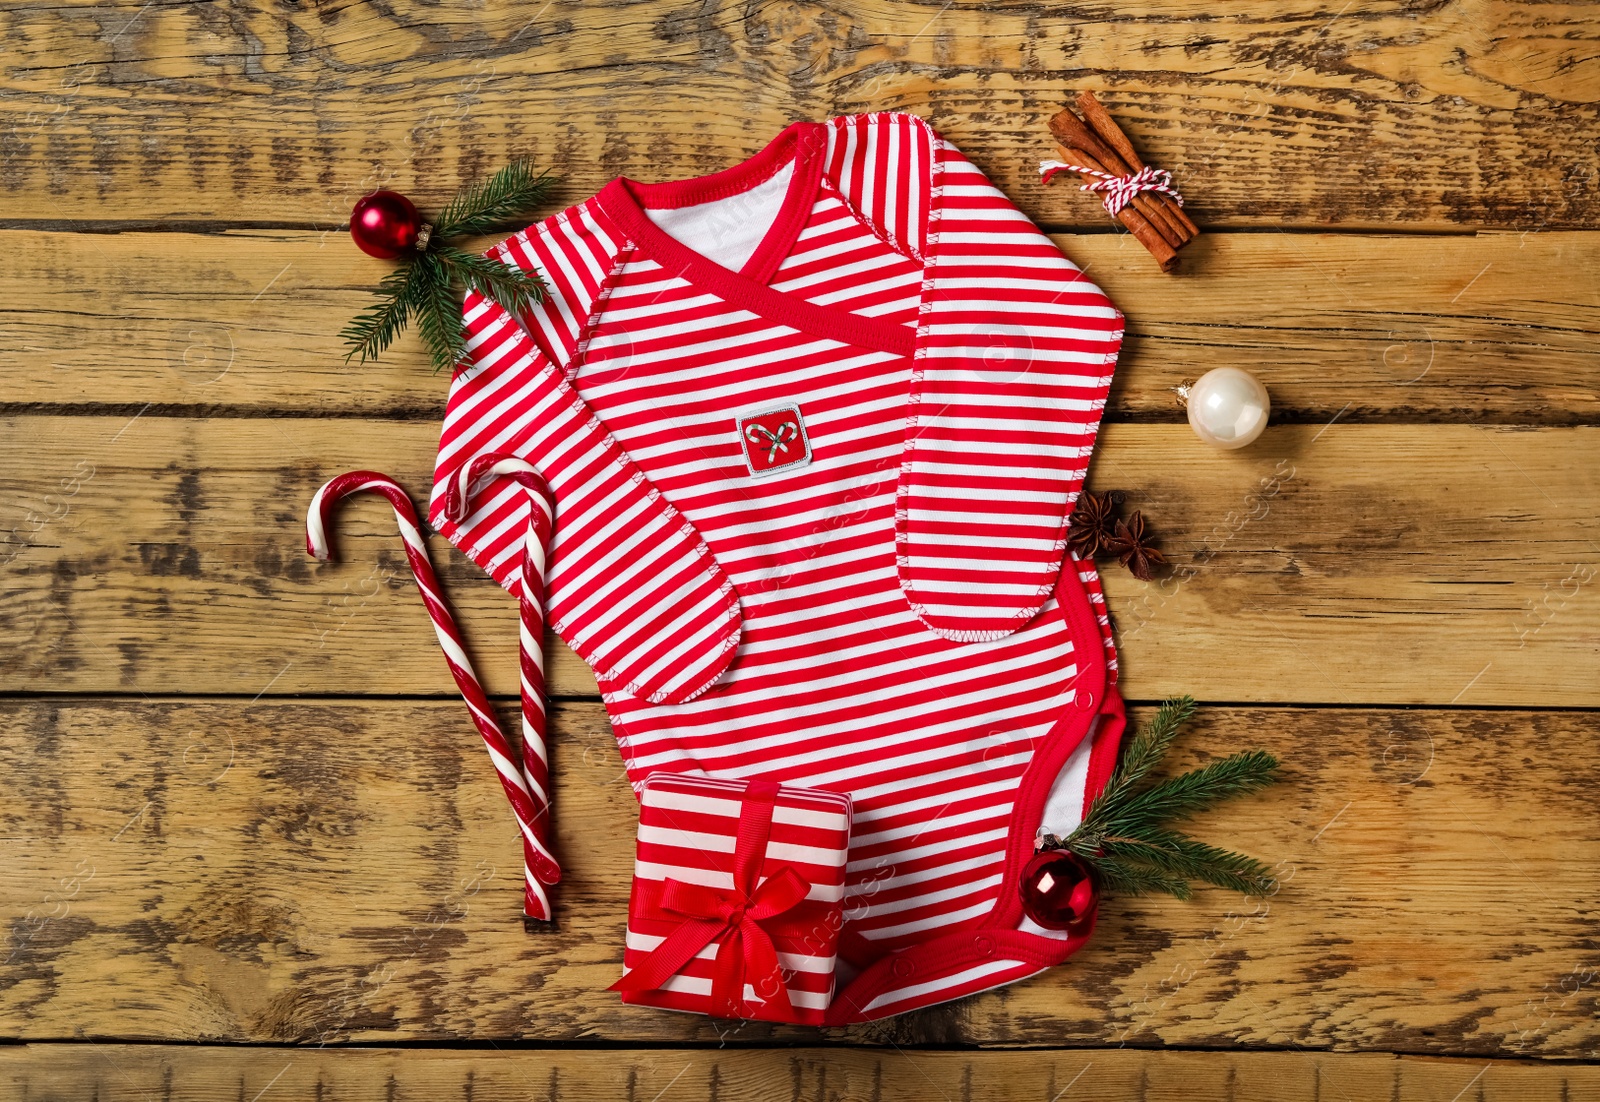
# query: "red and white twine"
{"type": "Point", "coordinates": [526, 781]}
{"type": "Point", "coordinates": [1116, 191]}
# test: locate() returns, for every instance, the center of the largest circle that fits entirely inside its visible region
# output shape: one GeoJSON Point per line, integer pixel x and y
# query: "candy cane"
{"type": "Point", "coordinates": [776, 441]}
{"type": "Point", "coordinates": [470, 480]}
{"type": "Point", "coordinates": [540, 867]}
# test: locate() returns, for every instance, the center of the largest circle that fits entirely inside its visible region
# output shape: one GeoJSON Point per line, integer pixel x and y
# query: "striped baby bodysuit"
{"type": "Point", "coordinates": [813, 426]}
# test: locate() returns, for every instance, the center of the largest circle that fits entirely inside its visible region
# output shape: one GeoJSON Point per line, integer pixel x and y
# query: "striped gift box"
{"type": "Point", "coordinates": [738, 897]}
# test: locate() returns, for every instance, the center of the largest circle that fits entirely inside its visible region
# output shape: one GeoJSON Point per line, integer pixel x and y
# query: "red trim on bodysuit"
{"type": "Point", "coordinates": [624, 201]}
{"type": "Point", "coordinates": [995, 934]}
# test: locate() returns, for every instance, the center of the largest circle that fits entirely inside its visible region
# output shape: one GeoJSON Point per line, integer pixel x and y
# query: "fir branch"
{"type": "Point", "coordinates": [1124, 836]}
{"type": "Point", "coordinates": [426, 283]}
{"type": "Point", "coordinates": [1138, 879]}
{"type": "Point", "coordinates": [1148, 746]}
{"type": "Point", "coordinates": [501, 198]}
{"type": "Point", "coordinates": [375, 328]}
{"type": "Point", "coordinates": [1180, 856]}
{"type": "Point", "coordinates": [502, 283]}
{"type": "Point", "coordinates": [439, 314]}
{"type": "Point", "coordinates": [1181, 796]}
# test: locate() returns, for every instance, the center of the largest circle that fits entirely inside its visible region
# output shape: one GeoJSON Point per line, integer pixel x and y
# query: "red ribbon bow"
{"type": "Point", "coordinates": [731, 917]}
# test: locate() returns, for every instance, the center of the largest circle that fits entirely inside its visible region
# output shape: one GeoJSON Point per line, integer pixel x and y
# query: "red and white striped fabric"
{"type": "Point", "coordinates": [710, 852]}
{"type": "Point", "coordinates": [874, 604]}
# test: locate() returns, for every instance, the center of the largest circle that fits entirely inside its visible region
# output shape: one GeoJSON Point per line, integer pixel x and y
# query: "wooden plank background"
{"type": "Point", "coordinates": [250, 848]}
{"type": "Point", "coordinates": [1372, 328]}
{"type": "Point", "coordinates": [319, 870]}
{"type": "Point", "coordinates": [125, 1073]}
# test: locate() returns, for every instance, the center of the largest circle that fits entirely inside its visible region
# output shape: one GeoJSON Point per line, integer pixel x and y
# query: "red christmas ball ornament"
{"type": "Point", "coordinates": [1058, 891]}
{"type": "Point", "coordinates": [385, 224]}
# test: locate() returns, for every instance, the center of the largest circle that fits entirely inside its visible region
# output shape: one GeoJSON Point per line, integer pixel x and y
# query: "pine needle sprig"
{"type": "Point", "coordinates": [428, 284]}
{"type": "Point", "coordinates": [1182, 796]}
{"type": "Point", "coordinates": [507, 286]}
{"type": "Point", "coordinates": [1124, 836]}
{"type": "Point", "coordinates": [439, 313]}
{"type": "Point", "coordinates": [1192, 859]}
{"type": "Point", "coordinates": [1120, 876]}
{"type": "Point", "coordinates": [1149, 745]}
{"type": "Point", "coordinates": [490, 205]}
{"type": "Point", "coordinates": [375, 328]}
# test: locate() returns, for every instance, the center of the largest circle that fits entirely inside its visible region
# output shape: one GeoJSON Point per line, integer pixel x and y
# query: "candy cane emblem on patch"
{"type": "Point", "coordinates": [774, 440]}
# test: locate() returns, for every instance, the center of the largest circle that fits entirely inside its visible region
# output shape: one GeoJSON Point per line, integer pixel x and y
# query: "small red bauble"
{"type": "Point", "coordinates": [385, 224]}
{"type": "Point", "coordinates": [1058, 891]}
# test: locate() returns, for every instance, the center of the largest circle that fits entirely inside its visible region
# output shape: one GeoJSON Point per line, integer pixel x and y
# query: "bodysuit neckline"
{"type": "Point", "coordinates": [805, 144]}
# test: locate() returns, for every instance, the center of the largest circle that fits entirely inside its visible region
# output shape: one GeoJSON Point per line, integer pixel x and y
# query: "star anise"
{"type": "Point", "coordinates": [1129, 543]}
{"type": "Point", "coordinates": [1090, 528]}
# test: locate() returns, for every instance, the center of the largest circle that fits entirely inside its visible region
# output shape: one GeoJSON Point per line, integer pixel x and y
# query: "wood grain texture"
{"type": "Point", "coordinates": [327, 871]}
{"type": "Point", "coordinates": [1496, 327]}
{"type": "Point", "coordinates": [132, 1073]}
{"type": "Point", "coordinates": [1309, 112]}
{"type": "Point", "coordinates": [339, 868]}
{"type": "Point", "coordinates": [1340, 564]}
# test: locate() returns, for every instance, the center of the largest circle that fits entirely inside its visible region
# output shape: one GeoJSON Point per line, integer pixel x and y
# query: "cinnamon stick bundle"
{"type": "Point", "coordinates": [1096, 142]}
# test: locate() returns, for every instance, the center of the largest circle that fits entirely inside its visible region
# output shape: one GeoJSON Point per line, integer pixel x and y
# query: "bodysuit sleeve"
{"type": "Point", "coordinates": [1014, 355]}
{"type": "Point", "coordinates": [631, 586]}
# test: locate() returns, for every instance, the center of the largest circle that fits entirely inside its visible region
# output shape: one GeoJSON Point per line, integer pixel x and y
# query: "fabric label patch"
{"type": "Point", "coordinates": [774, 440]}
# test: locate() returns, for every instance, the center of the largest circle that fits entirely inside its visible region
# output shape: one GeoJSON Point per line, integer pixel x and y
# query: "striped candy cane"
{"type": "Point", "coordinates": [470, 481]}
{"type": "Point", "coordinates": [540, 867]}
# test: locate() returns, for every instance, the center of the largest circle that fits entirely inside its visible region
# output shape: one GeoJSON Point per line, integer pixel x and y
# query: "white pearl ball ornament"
{"type": "Point", "coordinates": [1228, 407]}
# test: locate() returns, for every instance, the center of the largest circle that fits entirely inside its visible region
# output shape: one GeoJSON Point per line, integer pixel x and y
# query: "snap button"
{"type": "Point", "coordinates": [902, 968]}
{"type": "Point", "coordinates": [984, 946]}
